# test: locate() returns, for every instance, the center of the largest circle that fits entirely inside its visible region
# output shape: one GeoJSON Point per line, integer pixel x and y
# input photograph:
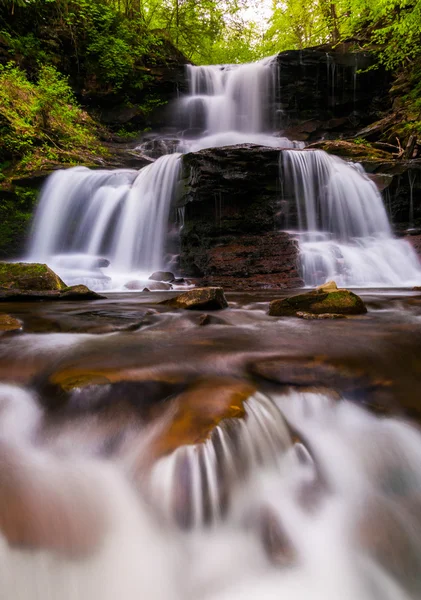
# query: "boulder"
{"type": "Point", "coordinates": [210, 298]}
{"type": "Point", "coordinates": [329, 286]}
{"type": "Point", "coordinates": [9, 323]}
{"type": "Point", "coordinates": [29, 277]}
{"type": "Point", "coordinates": [162, 276]}
{"type": "Point", "coordinates": [318, 302]}
{"type": "Point", "coordinates": [135, 284]}
{"type": "Point", "coordinates": [158, 286]}
{"type": "Point", "coordinates": [79, 292]}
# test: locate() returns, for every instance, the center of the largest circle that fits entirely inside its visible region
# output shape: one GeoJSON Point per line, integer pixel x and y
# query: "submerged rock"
{"type": "Point", "coordinates": [211, 298]}
{"type": "Point", "coordinates": [311, 317]}
{"type": "Point", "coordinates": [29, 277]}
{"type": "Point", "coordinates": [9, 323]}
{"type": "Point", "coordinates": [135, 285]}
{"type": "Point", "coordinates": [319, 302]}
{"type": "Point", "coordinates": [162, 276]}
{"type": "Point", "coordinates": [158, 286]}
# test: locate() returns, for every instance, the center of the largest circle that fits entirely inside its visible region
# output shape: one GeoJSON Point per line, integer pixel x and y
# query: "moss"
{"type": "Point", "coordinates": [29, 276]}
{"type": "Point", "coordinates": [341, 302]}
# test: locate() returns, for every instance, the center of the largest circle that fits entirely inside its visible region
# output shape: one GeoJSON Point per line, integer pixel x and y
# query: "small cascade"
{"type": "Point", "coordinates": [230, 104]}
{"type": "Point", "coordinates": [121, 215]}
{"type": "Point", "coordinates": [194, 485]}
{"type": "Point", "coordinates": [342, 225]}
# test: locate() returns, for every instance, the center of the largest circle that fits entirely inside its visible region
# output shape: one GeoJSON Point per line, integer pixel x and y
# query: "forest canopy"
{"type": "Point", "coordinates": [212, 31]}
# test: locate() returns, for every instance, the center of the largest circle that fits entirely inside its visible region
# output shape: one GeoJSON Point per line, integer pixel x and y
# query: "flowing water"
{"type": "Point", "coordinates": [344, 231]}
{"type": "Point", "coordinates": [122, 215]}
{"type": "Point", "coordinates": [308, 494]}
{"type": "Point", "coordinates": [157, 454]}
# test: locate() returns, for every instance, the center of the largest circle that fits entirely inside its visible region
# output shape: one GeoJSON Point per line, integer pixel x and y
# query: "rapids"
{"type": "Point", "coordinates": [307, 494]}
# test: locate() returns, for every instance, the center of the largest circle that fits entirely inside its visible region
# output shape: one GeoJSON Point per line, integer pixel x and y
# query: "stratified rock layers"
{"type": "Point", "coordinates": [233, 215]}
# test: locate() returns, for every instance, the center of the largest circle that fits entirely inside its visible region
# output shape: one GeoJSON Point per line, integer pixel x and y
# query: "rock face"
{"type": "Point", "coordinates": [211, 298]}
{"type": "Point", "coordinates": [323, 94]}
{"type": "Point", "coordinates": [232, 212]}
{"type": "Point", "coordinates": [339, 302]}
{"type": "Point", "coordinates": [29, 276]}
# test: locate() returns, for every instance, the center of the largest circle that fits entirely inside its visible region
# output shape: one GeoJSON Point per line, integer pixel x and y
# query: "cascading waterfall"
{"type": "Point", "coordinates": [121, 215]}
{"type": "Point", "coordinates": [342, 225]}
{"type": "Point", "coordinates": [334, 512]}
{"type": "Point", "coordinates": [231, 104]}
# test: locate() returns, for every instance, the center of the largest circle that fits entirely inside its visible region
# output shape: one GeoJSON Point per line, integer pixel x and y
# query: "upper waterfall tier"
{"type": "Point", "coordinates": [121, 214]}
{"type": "Point", "coordinates": [231, 104]}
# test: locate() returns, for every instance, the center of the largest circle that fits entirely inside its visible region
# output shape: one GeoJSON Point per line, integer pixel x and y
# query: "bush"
{"type": "Point", "coordinates": [41, 117]}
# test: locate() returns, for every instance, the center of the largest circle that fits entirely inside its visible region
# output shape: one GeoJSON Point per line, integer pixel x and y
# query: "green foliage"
{"type": "Point", "coordinates": [41, 119]}
{"type": "Point", "coordinates": [16, 211]}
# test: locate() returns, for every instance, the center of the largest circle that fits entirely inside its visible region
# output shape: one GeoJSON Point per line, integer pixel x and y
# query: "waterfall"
{"type": "Point", "coordinates": [332, 513]}
{"type": "Point", "coordinates": [342, 225]}
{"type": "Point", "coordinates": [121, 215]}
{"type": "Point", "coordinates": [231, 104]}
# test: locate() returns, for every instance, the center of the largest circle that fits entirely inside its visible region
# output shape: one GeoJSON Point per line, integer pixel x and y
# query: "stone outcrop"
{"type": "Point", "coordinates": [210, 298]}
{"type": "Point", "coordinates": [233, 214]}
{"type": "Point", "coordinates": [319, 302]}
{"type": "Point", "coordinates": [9, 323]}
{"type": "Point", "coordinates": [327, 93]}
{"type": "Point", "coordinates": [36, 281]}
{"type": "Point", "coordinates": [29, 276]}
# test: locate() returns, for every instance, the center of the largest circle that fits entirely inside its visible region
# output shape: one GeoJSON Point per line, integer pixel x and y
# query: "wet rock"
{"type": "Point", "coordinates": [9, 323]}
{"type": "Point", "coordinates": [319, 372]}
{"type": "Point", "coordinates": [158, 286]}
{"type": "Point", "coordinates": [162, 276]}
{"type": "Point", "coordinates": [135, 284]}
{"type": "Point", "coordinates": [210, 298]}
{"type": "Point", "coordinates": [350, 150]}
{"type": "Point", "coordinates": [329, 286]}
{"type": "Point", "coordinates": [48, 505]}
{"type": "Point", "coordinates": [75, 292]}
{"type": "Point", "coordinates": [323, 316]}
{"type": "Point", "coordinates": [210, 320]}
{"type": "Point", "coordinates": [29, 277]}
{"type": "Point", "coordinates": [79, 292]}
{"type": "Point", "coordinates": [232, 243]}
{"type": "Point", "coordinates": [342, 302]}
{"type": "Point", "coordinates": [276, 542]}
{"type": "Point", "coordinates": [100, 263]}
{"type": "Point", "coordinates": [199, 410]}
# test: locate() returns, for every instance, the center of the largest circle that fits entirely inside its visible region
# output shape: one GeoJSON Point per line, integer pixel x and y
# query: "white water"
{"type": "Point", "coordinates": [121, 215]}
{"type": "Point", "coordinates": [335, 515]}
{"type": "Point", "coordinates": [344, 231]}
{"type": "Point", "coordinates": [231, 104]}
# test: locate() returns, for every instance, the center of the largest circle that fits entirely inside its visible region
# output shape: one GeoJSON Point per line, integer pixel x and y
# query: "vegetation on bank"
{"type": "Point", "coordinates": [41, 122]}
{"type": "Point", "coordinates": [59, 55]}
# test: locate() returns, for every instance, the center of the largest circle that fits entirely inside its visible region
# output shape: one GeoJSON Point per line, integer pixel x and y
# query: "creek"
{"type": "Point", "coordinates": [148, 452]}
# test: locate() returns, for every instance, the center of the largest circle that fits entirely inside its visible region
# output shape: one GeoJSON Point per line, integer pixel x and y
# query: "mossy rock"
{"type": "Point", "coordinates": [340, 302]}
{"type": "Point", "coordinates": [207, 298]}
{"type": "Point", "coordinates": [9, 323]}
{"type": "Point", "coordinates": [29, 277]}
